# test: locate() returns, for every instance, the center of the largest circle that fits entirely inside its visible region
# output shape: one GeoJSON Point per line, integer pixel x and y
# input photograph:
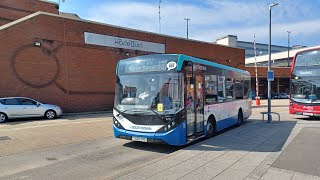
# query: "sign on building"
{"type": "Point", "coordinates": [119, 42]}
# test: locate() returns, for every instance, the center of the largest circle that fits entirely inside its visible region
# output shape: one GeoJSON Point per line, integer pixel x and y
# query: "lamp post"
{"type": "Point", "coordinates": [269, 64]}
{"type": "Point", "coordinates": [187, 19]}
{"type": "Point", "coordinates": [159, 17]}
{"type": "Point", "coordinates": [288, 46]}
{"type": "Point", "coordinates": [59, 4]}
{"type": "Point", "coordinates": [256, 70]}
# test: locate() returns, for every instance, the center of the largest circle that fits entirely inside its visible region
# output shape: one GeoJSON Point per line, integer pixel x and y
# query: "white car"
{"type": "Point", "coordinates": [283, 96]}
{"type": "Point", "coordinates": [21, 107]}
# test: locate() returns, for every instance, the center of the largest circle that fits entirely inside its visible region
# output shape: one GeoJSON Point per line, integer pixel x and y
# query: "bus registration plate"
{"type": "Point", "coordinates": [307, 114]}
{"type": "Point", "coordinates": [141, 139]}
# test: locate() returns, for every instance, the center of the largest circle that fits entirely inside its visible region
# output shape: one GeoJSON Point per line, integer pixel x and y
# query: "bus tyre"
{"type": "Point", "coordinates": [210, 129]}
{"type": "Point", "coordinates": [240, 118]}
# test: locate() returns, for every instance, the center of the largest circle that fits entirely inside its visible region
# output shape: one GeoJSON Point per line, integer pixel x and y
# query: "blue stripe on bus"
{"type": "Point", "coordinates": [183, 58]}
{"type": "Point", "coordinates": [176, 137]}
{"type": "Point", "coordinates": [226, 123]}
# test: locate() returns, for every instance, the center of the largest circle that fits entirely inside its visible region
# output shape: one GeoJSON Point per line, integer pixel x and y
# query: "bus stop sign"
{"type": "Point", "coordinates": [270, 75]}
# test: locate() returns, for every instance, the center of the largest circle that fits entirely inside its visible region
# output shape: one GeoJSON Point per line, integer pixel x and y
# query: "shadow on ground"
{"type": "Point", "coordinates": [309, 118]}
{"type": "Point", "coordinates": [159, 148]}
{"type": "Point", "coordinates": [255, 136]}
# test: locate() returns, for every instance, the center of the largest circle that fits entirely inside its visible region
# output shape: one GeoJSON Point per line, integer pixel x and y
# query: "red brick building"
{"type": "Point", "coordinates": [45, 55]}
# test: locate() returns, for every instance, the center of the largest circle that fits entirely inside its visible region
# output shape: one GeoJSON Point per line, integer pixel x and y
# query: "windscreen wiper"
{"type": "Point", "coordinates": [161, 116]}
{"type": "Point", "coordinates": [120, 112]}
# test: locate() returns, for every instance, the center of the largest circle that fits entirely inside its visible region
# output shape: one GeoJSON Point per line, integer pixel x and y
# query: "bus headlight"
{"type": "Point", "coordinates": [169, 126]}
{"type": "Point", "coordinates": [291, 104]}
{"type": "Point", "coordinates": [173, 121]}
{"type": "Point", "coordinates": [117, 124]}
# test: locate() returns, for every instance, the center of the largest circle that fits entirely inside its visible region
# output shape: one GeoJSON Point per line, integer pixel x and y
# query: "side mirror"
{"type": "Point", "coordinates": [187, 63]}
{"type": "Point", "coordinates": [38, 104]}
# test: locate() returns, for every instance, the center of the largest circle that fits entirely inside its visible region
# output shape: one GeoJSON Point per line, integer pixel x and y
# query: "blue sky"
{"type": "Point", "coordinates": [210, 19]}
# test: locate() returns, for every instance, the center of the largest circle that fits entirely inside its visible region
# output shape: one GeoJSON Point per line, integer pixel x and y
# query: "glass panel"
{"type": "Point", "coordinates": [247, 87]}
{"type": "Point", "coordinates": [211, 89]}
{"type": "Point", "coordinates": [149, 63]}
{"type": "Point", "coordinates": [221, 89]}
{"type": "Point", "coordinates": [306, 91]}
{"type": "Point", "coordinates": [310, 58]}
{"type": "Point", "coordinates": [199, 102]}
{"type": "Point", "coordinates": [27, 102]}
{"type": "Point", "coordinates": [239, 89]}
{"type": "Point", "coordinates": [229, 89]}
{"type": "Point", "coordinates": [11, 102]}
{"type": "Point", "coordinates": [190, 104]}
{"type": "Point", "coordinates": [144, 93]}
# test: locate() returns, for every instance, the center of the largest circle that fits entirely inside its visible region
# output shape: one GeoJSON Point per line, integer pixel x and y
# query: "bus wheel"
{"type": "Point", "coordinates": [240, 118]}
{"type": "Point", "coordinates": [211, 129]}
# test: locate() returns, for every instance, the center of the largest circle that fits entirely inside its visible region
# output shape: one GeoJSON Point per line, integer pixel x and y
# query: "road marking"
{"type": "Point", "coordinates": [39, 126]}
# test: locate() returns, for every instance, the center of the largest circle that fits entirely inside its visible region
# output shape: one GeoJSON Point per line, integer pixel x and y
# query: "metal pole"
{"type": "Point", "coordinates": [288, 47]}
{"type": "Point", "coordinates": [187, 19]}
{"type": "Point", "coordinates": [159, 17]}
{"type": "Point", "coordinates": [255, 65]}
{"type": "Point", "coordinates": [269, 64]}
{"type": "Point", "coordinates": [269, 67]}
{"type": "Point", "coordinates": [187, 29]}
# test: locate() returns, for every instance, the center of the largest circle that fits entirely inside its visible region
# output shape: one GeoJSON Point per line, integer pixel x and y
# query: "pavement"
{"type": "Point", "coordinates": [256, 150]}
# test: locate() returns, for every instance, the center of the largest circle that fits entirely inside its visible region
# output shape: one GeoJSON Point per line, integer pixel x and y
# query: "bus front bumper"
{"type": "Point", "coordinates": [175, 137]}
{"type": "Point", "coordinates": [304, 110]}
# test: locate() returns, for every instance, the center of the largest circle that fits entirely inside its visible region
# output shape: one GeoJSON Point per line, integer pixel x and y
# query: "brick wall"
{"type": "Point", "coordinates": [262, 71]}
{"type": "Point", "coordinates": [74, 75]}
{"type": "Point", "coordinates": [11, 10]}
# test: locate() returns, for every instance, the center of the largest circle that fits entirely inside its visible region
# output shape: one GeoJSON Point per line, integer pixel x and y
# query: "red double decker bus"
{"type": "Point", "coordinates": [305, 83]}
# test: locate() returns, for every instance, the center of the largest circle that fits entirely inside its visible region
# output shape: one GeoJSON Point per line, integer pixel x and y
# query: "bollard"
{"type": "Point", "coordinates": [258, 101]}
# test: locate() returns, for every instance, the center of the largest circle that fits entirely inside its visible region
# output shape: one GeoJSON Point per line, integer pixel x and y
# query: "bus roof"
{"type": "Point", "coordinates": [183, 58]}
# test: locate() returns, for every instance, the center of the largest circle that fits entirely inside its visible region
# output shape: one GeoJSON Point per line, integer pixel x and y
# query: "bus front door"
{"type": "Point", "coordinates": [194, 104]}
{"type": "Point", "coordinates": [190, 104]}
{"type": "Point", "coordinates": [199, 105]}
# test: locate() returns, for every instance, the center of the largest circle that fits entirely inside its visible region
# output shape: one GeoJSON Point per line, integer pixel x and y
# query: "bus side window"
{"type": "Point", "coordinates": [239, 89]}
{"type": "Point", "coordinates": [229, 89]}
{"type": "Point", "coordinates": [211, 95]}
{"type": "Point", "coordinates": [246, 88]}
{"type": "Point", "coordinates": [221, 89]}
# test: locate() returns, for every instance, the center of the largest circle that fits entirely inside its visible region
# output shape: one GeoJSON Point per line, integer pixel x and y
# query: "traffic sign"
{"type": "Point", "coordinates": [270, 75]}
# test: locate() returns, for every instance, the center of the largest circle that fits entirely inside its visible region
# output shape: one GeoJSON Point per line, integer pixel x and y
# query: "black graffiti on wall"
{"type": "Point", "coordinates": [50, 49]}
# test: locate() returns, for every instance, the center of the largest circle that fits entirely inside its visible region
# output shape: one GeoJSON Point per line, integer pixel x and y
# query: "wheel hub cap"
{"type": "Point", "coordinates": [50, 114]}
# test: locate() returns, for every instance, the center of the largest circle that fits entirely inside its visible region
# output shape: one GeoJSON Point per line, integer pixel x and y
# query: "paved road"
{"type": "Point", "coordinates": [83, 147]}
{"type": "Point", "coordinates": [28, 134]}
{"type": "Point", "coordinates": [77, 147]}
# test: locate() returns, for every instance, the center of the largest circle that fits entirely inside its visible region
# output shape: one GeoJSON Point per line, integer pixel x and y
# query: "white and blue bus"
{"type": "Point", "coordinates": [175, 99]}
